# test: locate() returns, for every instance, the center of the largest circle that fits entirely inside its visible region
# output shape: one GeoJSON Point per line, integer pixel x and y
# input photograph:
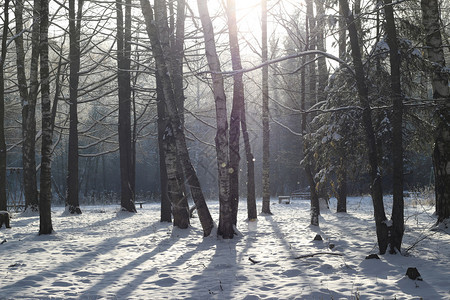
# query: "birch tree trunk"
{"type": "Point", "coordinates": [28, 101]}
{"type": "Point", "coordinates": [265, 114]}
{"type": "Point", "coordinates": [166, 207]}
{"type": "Point", "coordinates": [226, 206]}
{"type": "Point", "coordinates": [3, 200]}
{"type": "Point", "coordinates": [72, 200]}
{"type": "Point", "coordinates": [45, 198]}
{"type": "Point", "coordinates": [171, 40]}
{"type": "Point", "coordinates": [315, 207]}
{"type": "Point", "coordinates": [397, 217]}
{"type": "Point", "coordinates": [174, 121]}
{"type": "Point", "coordinates": [376, 188]}
{"type": "Point", "coordinates": [439, 81]}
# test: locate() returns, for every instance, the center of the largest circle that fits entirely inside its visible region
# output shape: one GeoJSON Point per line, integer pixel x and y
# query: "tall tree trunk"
{"type": "Point", "coordinates": [312, 34]}
{"type": "Point", "coordinates": [3, 200]}
{"type": "Point", "coordinates": [45, 198]}
{"type": "Point", "coordinates": [376, 188]}
{"type": "Point", "coordinates": [341, 189]}
{"type": "Point", "coordinates": [397, 217]}
{"type": "Point", "coordinates": [265, 114]}
{"type": "Point", "coordinates": [315, 207]}
{"type": "Point", "coordinates": [252, 212]}
{"type": "Point", "coordinates": [178, 200]}
{"type": "Point", "coordinates": [236, 110]}
{"type": "Point", "coordinates": [321, 61]}
{"type": "Point", "coordinates": [439, 81]}
{"type": "Point", "coordinates": [72, 201]}
{"type": "Point", "coordinates": [226, 206]}
{"type": "Point", "coordinates": [123, 63]}
{"type": "Point", "coordinates": [28, 101]}
{"type": "Point", "coordinates": [176, 51]}
{"type": "Point", "coordinates": [342, 35]}
{"type": "Point", "coordinates": [174, 119]}
{"type": "Point", "coordinates": [166, 207]}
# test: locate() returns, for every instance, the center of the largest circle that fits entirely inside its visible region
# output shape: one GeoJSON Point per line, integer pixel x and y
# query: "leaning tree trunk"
{"type": "Point", "coordinates": [72, 200]}
{"type": "Point", "coordinates": [28, 101]}
{"type": "Point", "coordinates": [265, 114]}
{"type": "Point", "coordinates": [45, 198]}
{"type": "Point", "coordinates": [226, 206]}
{"type": "Point", "coordinates": [441, 92]}
{"type": "Point", "coordinates": [3, 200]}
{"type": "Point", "coordinates": [172, 112]}
{"type": "Point", "coordinates": [397, 217]}
{"type": "Point", "coordinates": [376, 188]}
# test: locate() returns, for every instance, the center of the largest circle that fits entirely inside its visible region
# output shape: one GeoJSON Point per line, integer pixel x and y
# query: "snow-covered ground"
{"type": "Point", "coordinates": [106, 254]}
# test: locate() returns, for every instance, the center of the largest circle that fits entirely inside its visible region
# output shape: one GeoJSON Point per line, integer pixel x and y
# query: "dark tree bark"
{"type": "Point", "coordinates": [28, 101]}
{"type": "Point", "coordinates": [441, 92]}
{"type": "Point", "coordinates": [341, 189]}
{"type": "Point", "coordinates": [3, 200]}
{"type": "Point", "coordinates": [124, 84]}
{"type": "Point", "coordinates": [226, 207]}
{"type": "Point", "coordinates": [72, 201]}
{"type": "Point", "coordinates": [45, 198]}
{"type": "Point", "coordinates": [252, 212]}
{"type": "Point", "coordinates": [265, 114]}
{"type": "Point", "coordinates": [397, 217]}
{"type": "Point", "coordinates": [376, 188]}
{"type": "Point", "coordinates": [166, 207]}
{"type": "Point", "coordinates": [174, 119]}
{"type": "Point", "coordinates": [236, 109]}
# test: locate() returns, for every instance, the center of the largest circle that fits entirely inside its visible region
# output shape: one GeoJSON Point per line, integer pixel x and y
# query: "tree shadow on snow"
{"type": "Point", "coordinates": [77, 262]}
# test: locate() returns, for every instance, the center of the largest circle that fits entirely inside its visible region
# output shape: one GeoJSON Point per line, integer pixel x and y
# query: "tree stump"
{"type": "Point", "coordinates": [318, 237]}
{"type": "Point", "coordinates": [413, 274]}
{"type": "Point", "coordinates": [4, 219]}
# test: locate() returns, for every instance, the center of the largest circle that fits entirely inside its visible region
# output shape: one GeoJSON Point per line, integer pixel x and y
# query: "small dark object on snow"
{"type": "Point", "coordinates": [372, 256]}
{"type": "Point", "coordinates": [4, 241]}
{"type": "Point", "coordinates": [413, 274]}
{"type": "Point", "coordinates": [252, 260]}
{"type": "Point", "coordinates": [331, 246]}
{"type": "Point", "coordinates": [318, 237]}
{"type": "Point", "coordinates": [4, 219]}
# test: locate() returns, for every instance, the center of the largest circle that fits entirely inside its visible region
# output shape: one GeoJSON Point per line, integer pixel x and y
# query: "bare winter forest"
{"type": "Point", "coordinates": [189, 105]}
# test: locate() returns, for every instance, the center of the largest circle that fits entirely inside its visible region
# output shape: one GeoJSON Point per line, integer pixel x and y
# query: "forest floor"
{"type": "Point", "coordinates": [106, 254]}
